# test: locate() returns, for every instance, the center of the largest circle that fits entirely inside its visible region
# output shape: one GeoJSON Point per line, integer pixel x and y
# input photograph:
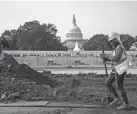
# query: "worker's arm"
{"type": "Point", "coordinates": [117, 56]}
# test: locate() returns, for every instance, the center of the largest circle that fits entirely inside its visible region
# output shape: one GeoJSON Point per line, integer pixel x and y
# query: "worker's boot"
{"type": "Point", "coordinates": [114, 102]}
{"type": "Point", "coordinates": [123, 107]}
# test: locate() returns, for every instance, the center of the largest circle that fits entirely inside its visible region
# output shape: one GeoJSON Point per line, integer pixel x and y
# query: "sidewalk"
{"type": "Point", "coordinates": [25, 104]}
{"type": "Point", "coordinates": [45, 107]}
{"type": "Point", "coordinates": [49, 104]}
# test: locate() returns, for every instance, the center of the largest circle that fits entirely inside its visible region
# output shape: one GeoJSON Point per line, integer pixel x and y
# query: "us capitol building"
{"type": "Point", "coordinates": [74, 37]}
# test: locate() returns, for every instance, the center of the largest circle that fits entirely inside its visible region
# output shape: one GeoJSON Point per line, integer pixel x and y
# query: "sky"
{"type": "Point", "coordinates": [93, 17]}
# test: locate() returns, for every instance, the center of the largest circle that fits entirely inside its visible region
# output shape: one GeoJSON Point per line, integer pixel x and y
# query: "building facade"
{"type": "Point", "coordinates": [74, 35]}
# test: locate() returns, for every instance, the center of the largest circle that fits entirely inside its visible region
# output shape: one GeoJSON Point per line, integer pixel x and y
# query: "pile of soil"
{"type": "Point", "coordinates": [12, 88]}
{"type": "Point", "coordinates": [19, 81]}
{"type": "Point", "coordinates": [22, 71]}
{"type": "Point", "coordinates": [8, 60]}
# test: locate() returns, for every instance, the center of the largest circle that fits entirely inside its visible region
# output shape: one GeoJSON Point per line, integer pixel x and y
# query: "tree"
{"type": "Point", "coordinates": [47, 38]}
{"type": "Point", "coordinates": [127, 41]}
{"type": "Point", "coordinates": [94, 43]}
{"type": "Point", "coordinates": [35, 36]}
{"type": "Point", "coordinates": [25, 35]}
{"type": "Point", "coordinates": [45, 34]}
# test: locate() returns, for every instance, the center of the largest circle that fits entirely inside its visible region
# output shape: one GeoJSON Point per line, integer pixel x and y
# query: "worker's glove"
{"type": "Point", "coordinates": [104, 57]}
{"type": "Point", "coordinates": [109, 63]}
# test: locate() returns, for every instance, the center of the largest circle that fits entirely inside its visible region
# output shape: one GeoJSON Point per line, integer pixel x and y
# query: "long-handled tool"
{"type": "Point", "coordinates": [104, 61]}
{"type": "Point", "coordinates": [109, 98]}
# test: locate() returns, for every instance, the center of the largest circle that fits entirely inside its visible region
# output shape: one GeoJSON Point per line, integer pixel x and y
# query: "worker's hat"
{"type": "Point", "coordinates": [114, 35]}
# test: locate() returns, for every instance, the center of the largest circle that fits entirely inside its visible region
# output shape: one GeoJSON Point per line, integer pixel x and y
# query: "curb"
{"type": "Point", "coordinates": [59, 106]}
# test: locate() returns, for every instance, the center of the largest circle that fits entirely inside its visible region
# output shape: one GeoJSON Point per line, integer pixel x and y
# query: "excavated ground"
{"type": "Point", "coordinates": [20, 82]}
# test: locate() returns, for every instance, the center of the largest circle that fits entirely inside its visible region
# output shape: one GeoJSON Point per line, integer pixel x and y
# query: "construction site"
{"type": "Point", "coordinates": [19, 82]}
{"type": "Point", "coordinates": [68, 57]}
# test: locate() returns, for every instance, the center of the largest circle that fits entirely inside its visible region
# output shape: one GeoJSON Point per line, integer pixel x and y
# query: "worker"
{"type": "Point", "coordinates": [119, 70]}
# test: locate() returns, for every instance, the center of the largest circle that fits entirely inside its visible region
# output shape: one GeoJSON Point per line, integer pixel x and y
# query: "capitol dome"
{"type": "Point", "coordinates": [74, 35]}
{"type": "Point", "coordinates": [75, 29]}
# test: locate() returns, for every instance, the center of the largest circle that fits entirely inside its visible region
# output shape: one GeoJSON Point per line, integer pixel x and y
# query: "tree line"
{"type": "Point", "coordinates": [35, 36]}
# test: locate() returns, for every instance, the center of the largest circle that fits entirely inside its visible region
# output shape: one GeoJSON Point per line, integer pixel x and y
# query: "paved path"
{"type": "Point", "coordinates": [38, 110]}
{"type": "Point", "coordinates": [25, 104]}
{"type": "Point", "coordinates": [47, 110]}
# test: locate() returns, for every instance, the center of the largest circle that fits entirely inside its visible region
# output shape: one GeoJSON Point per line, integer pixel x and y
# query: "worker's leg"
{"type": "Point", "coordinates": [109, 81]}
{"type": "Point", "coordinates": [120, 84]}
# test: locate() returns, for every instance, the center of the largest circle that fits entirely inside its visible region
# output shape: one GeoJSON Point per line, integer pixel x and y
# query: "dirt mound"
{"type": "Point", "coordinates": [21, 89]}
{"type": "Point", "coordinates": [19, 81]}
{"type": "Point", "coordinates": [23, 71]}
{"type": "Point", "coordinates": [8, 60]}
